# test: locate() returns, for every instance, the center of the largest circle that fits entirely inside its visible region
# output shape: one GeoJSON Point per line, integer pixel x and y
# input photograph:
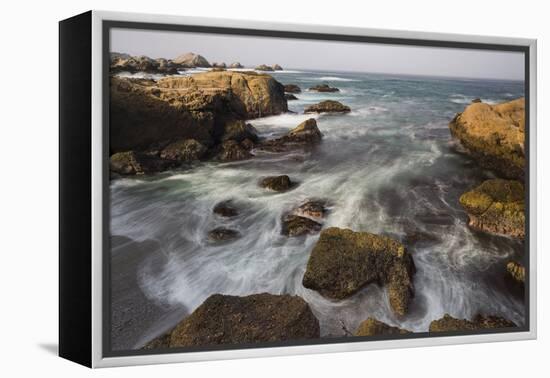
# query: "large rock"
{"type": "Point", "coordinates": [232, 150]}
{"type": "Point", "coordinates": [264, 67]}
{"type": "Point", "coordinates": [312, 208]}
{"type": "Point", "coordinates": [236, 65]}
{"type": "Point", "coordinates": [449, 324]}
{"type": "Point", "coordinates": [497, 206]}
{"type": "Point", "coordinates": [516, 271]}
{"type": "Point", "coordinates": [184, 150]}
{"type": "Point", "coordinates": [239, 130]}
{"type": "Point", "coordinates": [343, 261]}
{"type": "Point", "coordinates": [131, 163]}
{"type": "Point", "coordinates": [328, 106]}
{"type": "Point", "coordinates": [144, 112]}
{"type": "Point", "coordinates": [494, 135]}
{"type": "Point", "coordinates": [225, 319]}
{"type": "Point", "coordinates": [305, 134]}
{"type": "Point", "coordinates": [324, 88]}
{"type": "Point", "coordinates": [374, 327]}
{"type": "Point", "coordinates": [292, 88]}
{"type": "Point", "coordinates": [191, 60]}
{"type": "Point", "coordinates": [277, 67]}
{"type": "Point", "coordinates": [127, 63]}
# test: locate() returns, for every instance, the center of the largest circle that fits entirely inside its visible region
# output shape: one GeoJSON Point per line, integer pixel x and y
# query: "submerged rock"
{"type": "Point", "coordinates": [324, 88]}
{"type": "Point", "coordinates": [225, 319]}
{"type": "Point", "coordinates": [374, 327]}
{"type": "Point", "coordinates": [224, 209]}
{"type": "Point", "coordinates": [277, 183]}
{"type": "Point", "coordinates": [263, 67]}
{"type": "Point", "coordinates": [494, 135]}
{"type": "Point", "coordinates": [315, 209]}
{"type": "Point", "coordinates": [192, 60]}
{"type": "Point", "coordinates": [292, 88]}
{"type": "Point", "coordinates": [449, 324]}
{"type": "Point", "coordinates": [222, 234]}
{"type": "Point", "coordinates": [294, 225]}
{"type": "Point", "coordinates": [328, 106]}
{"type": "Point", "coordinates": [497, 206]}
{"type": "Point", "coordinates": [184, 150]}
{"type": "Point", "coordinates": [343, 261]}
{"type": "Point", "coordinates": [516, 271]}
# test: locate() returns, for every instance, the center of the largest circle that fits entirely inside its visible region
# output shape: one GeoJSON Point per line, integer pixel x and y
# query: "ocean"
{"type": "Point", "coordinates": [388, 167]}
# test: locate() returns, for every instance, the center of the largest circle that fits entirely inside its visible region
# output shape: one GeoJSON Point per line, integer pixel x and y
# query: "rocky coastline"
{"type": "Point", "coordinates": [175, 121]}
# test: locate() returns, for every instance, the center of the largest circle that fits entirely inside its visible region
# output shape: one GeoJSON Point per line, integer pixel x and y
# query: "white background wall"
{"type": "Point", "coordinates": [28, 127]}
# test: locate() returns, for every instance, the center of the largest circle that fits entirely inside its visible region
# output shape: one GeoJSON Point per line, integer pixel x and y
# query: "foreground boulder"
{"type": "Point", "coordinates": [343, 262]}
{"type": "Point", "coordinates": [130, 163]}
{"type": "Point", "coordinates": [277, 183]}
{"type": "Point", "coordinates": [497, 206]}
{"type": "Point", "coordinates": [516, 271]}
{"type": "Point", "coordinates": [144, 112]}
{"type": "Point", "coordinates": [292, 88]}
{"type": "Point", "coordinates": [233, 151]}
{"type": "Point", "coordinates": [184, 150]}
{"type": "Point", "coordinates": [449, 324]}
{"type": "Point", "coordinates": [373, 327]}
{"type": "Point", "coordinates": [328, 106]}
{"type": "Point", "coordinates": [324, 88]}
{"type": "Point", "coordinates": [305, 134]}
{"type": "Point", "coordinates": [226, 319]}
{"type": "Point", "coordinates": [494, 135]}
{"type": "Point", "coordinates": [191, 60]}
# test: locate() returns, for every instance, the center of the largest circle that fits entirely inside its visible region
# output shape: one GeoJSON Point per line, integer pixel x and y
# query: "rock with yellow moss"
{"type": "Point", "coordinates": [494, 135]}
{"type": "Point", "coordinates": [497, 206]}
{"type": "Point", "coordinates": [374, 327]}
{"type": "Point", "coordinates": [343, 262]}
{"type": "Point", "coordinates": [516, 271]}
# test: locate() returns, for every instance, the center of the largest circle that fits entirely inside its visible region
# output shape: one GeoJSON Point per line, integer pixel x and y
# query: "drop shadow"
{"type": "Point", "coordinates": [51, 348]}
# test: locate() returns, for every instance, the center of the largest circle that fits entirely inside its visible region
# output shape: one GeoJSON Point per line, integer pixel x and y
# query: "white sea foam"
{"type": "Point", "coordinates": [335, 78]}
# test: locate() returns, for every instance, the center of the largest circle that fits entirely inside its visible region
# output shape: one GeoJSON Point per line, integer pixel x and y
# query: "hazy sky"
{"type": "Point", "coordinates": [322, 55]}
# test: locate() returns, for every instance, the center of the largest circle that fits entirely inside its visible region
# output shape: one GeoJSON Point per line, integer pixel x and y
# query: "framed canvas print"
{"type": "Point", "coordinates": [235, 189]}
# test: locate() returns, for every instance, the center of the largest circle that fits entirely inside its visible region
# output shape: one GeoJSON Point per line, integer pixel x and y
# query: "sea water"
{"type": "Point", "coordinates": [388, 167]}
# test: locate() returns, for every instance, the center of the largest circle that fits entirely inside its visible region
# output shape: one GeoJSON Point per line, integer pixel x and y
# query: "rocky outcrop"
{"type": "Point", "coordinates": [277, 183]}
{"type": "Point", "coordinates": [131, 163]}
{"type": "Point", "coordinates": [192, 60]}
{"type": "Point", "coordinates": [343, 262]}
{"type": "Point", "coordinates": [236, 65]}
{"type": "Point", "coordinates": [295, 225]}
{"type": "Point", "coordinates": [184, 150]}
{"type": "Point", "coordinates": [264, 67]}
{"type": "Point", "coordinates": [324, 88]}
{"type": "Point", "coordinates": [290, 97]}
{"type": "Point", "coordinates": [497, 206]}
{"type": "Point", "coordinates": [225, 209]}
{"type": "Point", "coordinates": [226, 319]}
{"type": "Point", "coordinates": [374, 327]}
{"type": "Point", "coordinates": [494, 135]}
{"type": "Point", "coordinates": [292, 88]}
{"type": "Point", "coordinates": [277, 67]}
{"type": "Point", "coordinates": [222, 234]}
{"type": "Point", "coordinates": [145, 113]}
{"type": "Point", "coordinates": [132, 64]}
{"type": "Point", "coordinates": [219, 65]}
{"type": "Point", "coordinates": [238, 131]}
{"type": "Point", "coordinates": [516, 271]}
{"type": "Point", "coordinates": [449, 324]}
{"type": "Point", "coordinates": [305, 134]}
{"type": "Point", "coordinates": [232, 150]}
{"type": "Point", "coordinates": [328, 106]}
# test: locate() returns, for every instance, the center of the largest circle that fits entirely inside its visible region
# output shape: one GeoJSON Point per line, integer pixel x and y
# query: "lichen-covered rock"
{"type": "Point", "coordinates": [231, 150]}
{"type": "Point", "coordinates": [292, 88]}
{"type": "Point", "coordinates": [295, 225]}
{"type": "Point", "coordinates": [328, 106]}
{"type": "Point", "coordinates": [191, 60]}
{"type": "Point", "coordinates": [324, 88]}
{"type": "Point", "coordinates": [277, 183]}
{"type": "Point", "coordinates": [225, 209]}
{"type": "Point", "coordinates": [263, 67]}
{"type": "Point", "coordinates": [494, 135]}
{"type": "Point", "coordinates": [222, 234]}
{"type": "Point", "coordinates": [516, 271]}
{"type": "Point", "coordinates": [449, 324]}
{"type": "Point", "coordinates": [497, 206]}
{"type": "Point", "coordinates": [239, 130]}
{"type": "Point", "coordinates": [343, 261]}
{"type": "Point", "coordinates": [374, 327]}
{"type": "Point", "coordinates": [225, 319]}
{"type": "Point", "coordinates": [184, 150]}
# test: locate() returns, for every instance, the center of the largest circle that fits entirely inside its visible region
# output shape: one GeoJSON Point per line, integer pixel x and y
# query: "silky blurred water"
{"type": "Point", "coordinates": [390, 167]}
